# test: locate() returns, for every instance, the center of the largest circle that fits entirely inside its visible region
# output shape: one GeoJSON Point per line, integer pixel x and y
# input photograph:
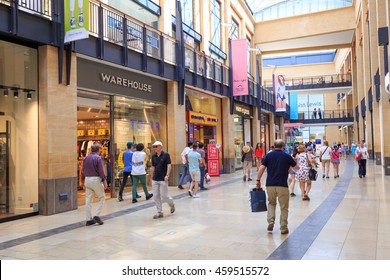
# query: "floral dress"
{"type": "Point", "coordinates": [303, 172]}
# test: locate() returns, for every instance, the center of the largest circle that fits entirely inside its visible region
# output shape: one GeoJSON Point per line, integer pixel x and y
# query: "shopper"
{"type": "Point", "coordinates": [194, 159]}
{"type": "Point", "coordinates": [319, 113]}
{"type": "Point", "coordinates": [127, 157]}
{"type": "Point", "coordinates": [160, 170]}
{"type": "Point", "coordinates": [305, 161]}
{"type": "Point", "coordinates": [185, 172]}
{"type": "Point", "coordinates": [325, 156]}
{"type": "Point", "coordinates": [314, 113]}
{"type": "Point", "coordinates": [138, 172]}
{"type": "Point", "coordinates": [293, 173]}
{"type": "Point", "coordinates": [336, 161]}
{"type": "Point", "coordinates": [95, 184]}
{"type": "Point", "coordinates": [362, 149]}
{"type": "Point", "coordinates": [247, 156]}
{"type": "Point", "coordinates": [202, 166]}
{"type": "Point", "coordinates": [278, 164]}
{"type": "Point", "coordinates": [259, 154]}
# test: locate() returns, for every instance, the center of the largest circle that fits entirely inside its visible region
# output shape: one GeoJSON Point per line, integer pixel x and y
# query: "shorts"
{"type": "Point", "coordinates": [336, 161]}
{"type": "Point", "coordinates": [195, 175]}
{"type": "Point", "coordinates": [246, 165]}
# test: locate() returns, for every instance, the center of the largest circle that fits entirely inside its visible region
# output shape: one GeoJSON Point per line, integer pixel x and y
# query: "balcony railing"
{"type": "Point", "coordinates": [325, 115]}
{"type": "Point", "coordinates": [41, 7]}
{"type": "Point", "coordinates": [338, 80]}
{"type": "Point", "coordinates": [112, 25]}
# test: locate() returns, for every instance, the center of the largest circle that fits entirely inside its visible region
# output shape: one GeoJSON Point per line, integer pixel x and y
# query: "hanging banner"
{"type": "Point", "coordinates": [280, 93]}
{"type": "Point", "coordinates": [76, 20]}
{"type": "Point", "coordinates": [240, 67]}
{"type": "Point", "coordinates": [293, 105]}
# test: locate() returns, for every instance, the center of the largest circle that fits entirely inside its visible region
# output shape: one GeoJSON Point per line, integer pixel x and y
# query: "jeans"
{"type": "Point", "coordinates": [142, 179]}
{"type": "Point", "coordinates": [202, 173]}
{"type": "Point", "coordinates": [124, 181]}
{"type": "Point", "coordinates": [184, 174]}
{"type": "Point", "coordinates": [362, 167]}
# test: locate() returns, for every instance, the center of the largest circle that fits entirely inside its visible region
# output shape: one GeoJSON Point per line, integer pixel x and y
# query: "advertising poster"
{"type": "Point", "coordinates": [293, 105]}
{"type": "Point", "coordinates": [212, 151]}
{"type": "Point", "coordinates": [76, 20]}
{"type": "Point", "coordinates": [213, 167]}
{"type": "Point", "coordinates": [280, 93]}
{"type": "Point", "coordinates": [240, 67]}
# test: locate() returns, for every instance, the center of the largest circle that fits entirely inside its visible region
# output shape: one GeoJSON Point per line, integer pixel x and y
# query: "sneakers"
{"type": "Point", "coordinates": [327, 177]}
{"type": "Point", "coordinates": [190, 193]}
{"type": "Point", "coordinates": [180, 187]}
{"type": "Point", "coordinates": [72, 23]}
{"type": "Point", "coordinates": [98, 220]}
{"type": "Point", "coordinates": [149, 196]}
{"type": "Point", "coordinates": [292, 194]}
{"type": "Point", "coordinates": [120, 198]}
{"type": "Point", "coordinates": [173, 209]}
{"type": "Point", "coordinates": [81, 20]}
{"type": "Point", "coordinates": [323, 176]}
{"type": "Point", "coordinates": [284, 231]}
{"type": "Point", "coordinates": [204, 189]}
{"type": "Point", "coordinates": [249, 179]}
{"type": "Point", "coordinates": [134, 200]}
{"type": "Point", "coordinates": [244, 178]}
{"type": "Point", "coordinates": [138, 196]}
{"type": "Point", "coordinates": [270, 227]}
{"type": "Point", "coordinates": [195, 196]}
{"type": "Point", "coordinates": [158, 216]}
{"type": "Point", "coordinates": [90, 222]}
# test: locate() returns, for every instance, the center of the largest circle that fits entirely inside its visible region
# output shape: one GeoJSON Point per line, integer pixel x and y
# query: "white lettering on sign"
{"type": "Point", "coordinates": [111, 79]}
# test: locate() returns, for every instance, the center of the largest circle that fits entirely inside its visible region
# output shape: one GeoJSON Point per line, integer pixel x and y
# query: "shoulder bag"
{"type": "Point", "coordinates": [313, 174]}
{"type": "Point", "coordinates": [323, 154]}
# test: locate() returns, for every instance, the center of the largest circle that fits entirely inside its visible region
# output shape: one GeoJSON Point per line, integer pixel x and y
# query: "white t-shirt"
{"type": "Point", "coordinates": [363, 151]}
{"type": "Point", "coordinates": [184, 153]}
{"type": "Point", "coordinates": [138, 163]}
{"type": "Point", "coordinates": [326, 152]}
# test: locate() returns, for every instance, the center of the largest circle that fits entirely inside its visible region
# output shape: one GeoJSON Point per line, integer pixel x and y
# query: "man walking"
{"type": "Point", "coordinates": [160, 170]}
{"type": "Point", "coordinates": [278, 165]}
{"type": "Point", "coordinates": [194, 158]}
{"type": "Point", "coordinates": [247, 156]}
{"type": "Point", "coordinates": [202, 166]}
{"type": "Point", "coordinates": [95, 183]}
{"type": "Point", "coordinates": [185, 166]}
{"type": "Point", "coordinates": [127, 158]}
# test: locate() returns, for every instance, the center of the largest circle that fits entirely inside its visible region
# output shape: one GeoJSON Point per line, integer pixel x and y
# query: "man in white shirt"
{"type": "Point", "coordinates": [362, 149]}
{"type": "Point", "coordinates": [185, 166]}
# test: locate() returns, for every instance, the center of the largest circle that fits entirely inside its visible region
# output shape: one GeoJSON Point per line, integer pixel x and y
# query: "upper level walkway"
{"type": "Point", "coordinates": [346, 219]}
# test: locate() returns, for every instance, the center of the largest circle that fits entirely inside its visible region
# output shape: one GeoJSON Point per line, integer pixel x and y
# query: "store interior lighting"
{"type": "Point", "coordinates": [16, 91]}
{"type": "Point", "coordinates": [5, 92]}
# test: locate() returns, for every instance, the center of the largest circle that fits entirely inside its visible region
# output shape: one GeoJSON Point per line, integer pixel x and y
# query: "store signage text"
{"type": "Point", "coordinates": [244, 111]}
{"type": "Point", "coordinates": [198, 118]}
{"type": "Point", "coordinates": [111, 79]}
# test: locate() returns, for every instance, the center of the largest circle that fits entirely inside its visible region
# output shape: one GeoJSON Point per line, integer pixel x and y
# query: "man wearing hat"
{"type": "Point", "coordinates": [247, 160]}
{"type": "Point", "coordinates": [160, 170]}
{"type": "Point", "coordinates": [127, 158]}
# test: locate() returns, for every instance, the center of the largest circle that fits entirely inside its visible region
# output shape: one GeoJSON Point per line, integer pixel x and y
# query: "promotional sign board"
{"type": "Point", "coordinates": [212, 151]}
{"type": "Point", "coordinates": [280, 93]}
{"type": "Point", "coordinates": [76, 20]}
{"type": "Point", "coordinates": [213, 160]}
{"type": "Point", "coordinates": [240, 67]}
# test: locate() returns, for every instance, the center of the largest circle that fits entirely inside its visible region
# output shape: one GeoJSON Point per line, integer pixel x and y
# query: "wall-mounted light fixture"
{"type": "Point", "coordinates": [16, 93]}
{"type": "Point", "coordinates": [29, 95]}
{"type": "Point", "coordinates": [5, 92]}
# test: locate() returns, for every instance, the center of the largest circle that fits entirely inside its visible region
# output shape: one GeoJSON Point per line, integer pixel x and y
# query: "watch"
{"type": "Point", "coordinates": [258, 180]}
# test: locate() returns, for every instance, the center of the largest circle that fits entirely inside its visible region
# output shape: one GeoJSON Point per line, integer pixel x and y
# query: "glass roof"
{"type": "Point", "coordinates": [274, 9]}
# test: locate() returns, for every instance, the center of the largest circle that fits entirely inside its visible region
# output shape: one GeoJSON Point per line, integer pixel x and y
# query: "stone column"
{"type": "Point", "coordinates": [57, 135]}
{"type": "Point", "coordinates": [229, 161]}
{"type": "Point", "coordinates": [177, 137]}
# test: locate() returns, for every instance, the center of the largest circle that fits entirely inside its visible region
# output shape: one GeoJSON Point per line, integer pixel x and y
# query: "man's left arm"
{"type": "Point", "coordinates": [259, 174]}
{"type": "Point", "coordinates": [168, 172]}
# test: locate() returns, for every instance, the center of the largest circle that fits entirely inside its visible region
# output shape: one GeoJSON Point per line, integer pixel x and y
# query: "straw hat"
{"type": "Point", "coordinates": [246, 149]}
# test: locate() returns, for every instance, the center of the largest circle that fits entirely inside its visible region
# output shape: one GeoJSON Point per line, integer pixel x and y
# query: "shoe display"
{"type": "Point", "coordinates": [149, 196]}
{"type": "Point", "coordinates": [98, 220]}
{"type": "Point", "coordinates": [270, 227]}
{"type": "Point", "coordinates": [173, 209]}
{"type": "Point", "coordinates": [81, 20]}
{"type": "Point", "coordinates": [284, 231]}
{"type": "Point", "coordinates": [180, 187]}
{"type": "Point", "coordinates": [72, 22]}
{"type": "Point", "coordinates": [134, 200]}
{"type": "Point", "coordinates": [90, 222]}
{"type": "Point", "coordinates": [158, 216]}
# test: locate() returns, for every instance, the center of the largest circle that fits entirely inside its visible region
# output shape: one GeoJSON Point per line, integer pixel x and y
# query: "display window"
{"type": "Point", "coordinates": [18, 130]}
{"type": "Point", "coordinates": [238, 139]}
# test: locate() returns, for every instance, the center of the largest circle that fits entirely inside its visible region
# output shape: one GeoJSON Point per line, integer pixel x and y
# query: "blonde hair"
{"type": "Point", "coordinates": [301, 148]}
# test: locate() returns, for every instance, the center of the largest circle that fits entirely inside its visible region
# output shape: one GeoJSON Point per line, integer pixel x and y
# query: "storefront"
{"type": "Point", "coordinates": [204, 120]}
{"type": "Point", "coordinates": [18, 131]}
{"type": "Point", "coordinates": [116, 106]}
{"type": "Point", "coordinates": [243, 115]}
{"type": "Point", "coordinates": [265, 135]}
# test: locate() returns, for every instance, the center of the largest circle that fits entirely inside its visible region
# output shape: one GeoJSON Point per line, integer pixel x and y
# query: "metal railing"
{"type": "Point", "coordinates": [41, 7]}
{"type": "Point", "coordinates": [112, 22]}
{"type": "Point", "coordinates": [337, 80]}
{"type": "Point", "coordinates": [325, 115]}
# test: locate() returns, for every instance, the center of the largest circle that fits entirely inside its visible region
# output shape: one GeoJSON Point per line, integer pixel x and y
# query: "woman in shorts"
{"type": "Point", "coordinates": [336, 161]}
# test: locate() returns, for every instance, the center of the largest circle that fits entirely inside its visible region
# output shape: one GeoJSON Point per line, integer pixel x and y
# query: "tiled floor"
{"type": "Point", "coordinates": [346, 218]}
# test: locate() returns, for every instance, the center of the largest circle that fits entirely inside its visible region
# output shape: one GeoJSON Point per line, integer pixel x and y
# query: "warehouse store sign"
{"type": "Point", "coordinates": [106, 78]}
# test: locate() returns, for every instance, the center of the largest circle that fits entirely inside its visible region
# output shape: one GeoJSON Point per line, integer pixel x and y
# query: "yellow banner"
{"type": "Point", "coordinates": [91, 132]}
{"type": "Point", "coordinates": [80, 132]}
{"type": "Point", "coordinates": [199, 118]}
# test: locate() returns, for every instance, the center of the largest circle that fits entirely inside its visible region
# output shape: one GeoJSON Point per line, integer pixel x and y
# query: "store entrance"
{"type": "Point", "coordinates": [93, 126]}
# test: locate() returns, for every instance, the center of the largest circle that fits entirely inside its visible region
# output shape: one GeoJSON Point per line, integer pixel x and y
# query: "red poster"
{"type": "Point", "coordinates": [213, 167]}
{"type": "Point", "coordinates": [212, 152]}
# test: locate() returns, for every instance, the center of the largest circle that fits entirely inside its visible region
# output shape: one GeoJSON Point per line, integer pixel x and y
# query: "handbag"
{"type": "Point", "coordinates": [243, 157]}
{"type": "Point", "coordinates": [313, 174]}
{"type": "Point", "coordinates": [358, 155]}
{"type": "Point", "coordinates": [258, 200]}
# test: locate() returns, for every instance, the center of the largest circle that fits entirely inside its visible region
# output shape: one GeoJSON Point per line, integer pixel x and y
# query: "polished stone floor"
{"type": "Point", "coordinates": [346, 219]}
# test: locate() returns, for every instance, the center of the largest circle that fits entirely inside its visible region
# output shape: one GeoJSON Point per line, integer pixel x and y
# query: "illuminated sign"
{"type": "Point", "coordinates": [199, 118]}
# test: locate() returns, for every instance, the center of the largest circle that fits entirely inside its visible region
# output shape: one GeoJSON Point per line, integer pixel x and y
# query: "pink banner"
{"type": "Point", "coordinates": [280, 93]}
{"type": "Point", "coordinates": [240, 67]}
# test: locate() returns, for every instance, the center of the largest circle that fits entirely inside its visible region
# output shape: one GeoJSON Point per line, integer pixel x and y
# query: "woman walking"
{"type": "Point", "coordinates": [305, 162]}
{"type": "Point", "coordinates": [259, 154]}
{"type": "Point", "coordinates": [293, 173]}
{"type": "Point", "coordinates": [362, 150]}
{"type": "Point", "coordinates": [325, 156]}
{"type": "Point", "coordinates": [336, 161]}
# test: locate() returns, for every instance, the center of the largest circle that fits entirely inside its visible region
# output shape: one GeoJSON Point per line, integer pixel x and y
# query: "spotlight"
{"type": "Point", "coordinates": [16, 93]}
{"type": "Point", "coordinates": [29, 95]}
{"type": "Point", "coordinates": [6, 92]}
